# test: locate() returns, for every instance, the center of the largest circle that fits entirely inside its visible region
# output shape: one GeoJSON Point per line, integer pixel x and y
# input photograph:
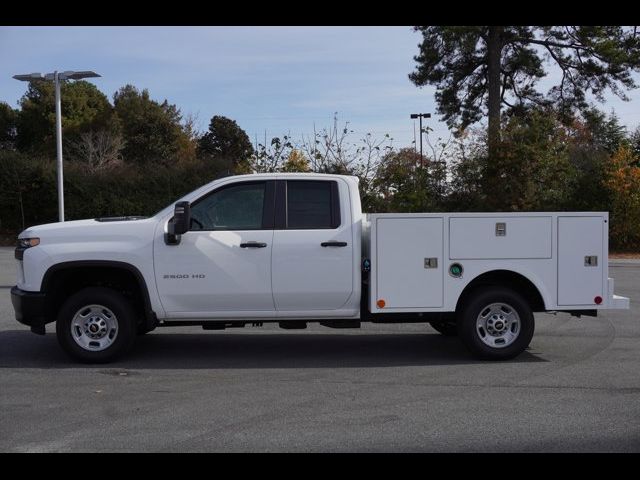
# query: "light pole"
{"type": "Point", "coordinates": [56, 77]}
{"type": "Point", "coordinates": [420, 116]}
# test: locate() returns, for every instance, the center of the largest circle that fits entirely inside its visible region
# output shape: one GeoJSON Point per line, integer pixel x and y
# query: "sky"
{"type": "Point", "coordinates": [278, 80]}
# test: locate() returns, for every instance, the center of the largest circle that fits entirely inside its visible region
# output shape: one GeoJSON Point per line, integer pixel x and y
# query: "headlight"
{"type": "Point", "coordinates": [28, 242]}
{"type": "Point", "coordinates": [23, 244]}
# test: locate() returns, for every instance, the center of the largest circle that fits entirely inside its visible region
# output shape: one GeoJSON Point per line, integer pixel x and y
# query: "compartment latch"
{"type": "Point", "coordinates": [591, 261]}
{"type": "Point", "coordinates": [431, 262]}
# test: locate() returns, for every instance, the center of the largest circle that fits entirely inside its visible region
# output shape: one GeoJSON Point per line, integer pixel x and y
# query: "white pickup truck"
{"type": "Point", "coordinates": [296, 248]}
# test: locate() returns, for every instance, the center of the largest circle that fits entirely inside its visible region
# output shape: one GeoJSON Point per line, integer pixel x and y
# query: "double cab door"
{"type": "Point", "coordinates": [259, 249]}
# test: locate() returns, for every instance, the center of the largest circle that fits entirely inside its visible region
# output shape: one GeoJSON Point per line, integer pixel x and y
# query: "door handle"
{"type": "Point", "coordinates": [253, 245]}
{"type": "Point", "coordinates": [333, 244]}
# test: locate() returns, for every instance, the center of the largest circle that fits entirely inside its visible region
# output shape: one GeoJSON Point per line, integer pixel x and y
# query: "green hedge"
{"type": "Point", "coordinates": [28, 189]}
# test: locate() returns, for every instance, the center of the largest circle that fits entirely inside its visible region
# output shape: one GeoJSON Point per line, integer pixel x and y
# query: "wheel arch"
{"type": "Point", "coordinates": [509, 279]}
{"type": "Point", "coordinates": [62, 279]}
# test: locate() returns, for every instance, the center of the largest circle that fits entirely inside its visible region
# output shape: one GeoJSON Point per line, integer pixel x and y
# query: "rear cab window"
{"type": "Point", "coordinates": [311, 205]}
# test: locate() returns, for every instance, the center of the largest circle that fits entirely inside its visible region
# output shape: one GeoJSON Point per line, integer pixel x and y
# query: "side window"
{"type": "Point", "coordinates": [237, 207]}
{"type": "Point", "coordinates": [312, 204]}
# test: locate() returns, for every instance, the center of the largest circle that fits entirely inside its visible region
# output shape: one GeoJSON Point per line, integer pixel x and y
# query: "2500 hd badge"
{"type": "Point", "coordinates": [186, 275]}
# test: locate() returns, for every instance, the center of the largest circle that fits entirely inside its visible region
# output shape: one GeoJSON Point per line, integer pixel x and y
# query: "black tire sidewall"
{"type": "Point", "coordinates": [114, 301]}
{"type": "Point", "coordinates": [478, 300]}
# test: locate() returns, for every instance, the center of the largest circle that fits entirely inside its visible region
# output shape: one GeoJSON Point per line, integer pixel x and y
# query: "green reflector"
{"type": "Point", "coordinates": [455, 270]}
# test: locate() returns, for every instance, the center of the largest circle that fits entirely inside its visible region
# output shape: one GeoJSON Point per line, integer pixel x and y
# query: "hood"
{"type": "Point", "coordinates": [91, 229]}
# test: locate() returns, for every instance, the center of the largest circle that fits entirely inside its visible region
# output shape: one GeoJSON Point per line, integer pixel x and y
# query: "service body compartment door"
{"type": "Point", "coordinates": [580, 260]}
{"type": "Point", "coordinates": [409, 262]}
{"type": "Point", "coordinates": [493, 238]}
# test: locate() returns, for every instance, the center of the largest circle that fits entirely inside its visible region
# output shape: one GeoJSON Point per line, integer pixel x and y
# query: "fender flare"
{"type": "Point", "coordinates": [149, 314]}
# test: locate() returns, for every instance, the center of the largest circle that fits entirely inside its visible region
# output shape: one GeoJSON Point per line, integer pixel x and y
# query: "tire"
{"type": "Point", "coordinates": [496, 323]}
{"type": "Point", "coordinates": [446, 328]}
{"type": "Point", "coordinates": [96, 325]}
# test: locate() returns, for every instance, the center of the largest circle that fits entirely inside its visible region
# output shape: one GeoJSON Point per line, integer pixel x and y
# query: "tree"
{"type": "Point", "coordinates": [97, 150]}
{"type": "Point", "coordinates": [84, 108]}
{"type": "Point", "coordinates": [333, 150]}
{"type": "Point", "coordinates": [226, 140]}
{"type": "Point", "coordinates": [8, 126]}
{"type": "Point", "coordinates": [595, 137]}
{"type": "Point", "coordinates": [480, 69]}
{"type": "Point", "coordinates": [533, 170]}
{"type": "Point", "coordinates": [296, 162]}
{"type": "Point", "coordinates": [406, 183]}
{"type": "Point", "coordinates": [152, 131]}
{"type": "Point", "coordinates": [271, 158]}
{"type": "Point", "coordinates": [635, 142]}
{"type": "Point", "coordinates": [467, 167]}
{"type": "Point", "coordinates": [623, 181]}
{"type": "Point", "coordinates": [605, 132]}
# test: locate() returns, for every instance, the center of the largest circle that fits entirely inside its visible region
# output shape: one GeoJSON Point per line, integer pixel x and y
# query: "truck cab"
{"type": "Point", "coordinates": [263, 248]}
{"type": "Point", "coordinates": [296, 248]}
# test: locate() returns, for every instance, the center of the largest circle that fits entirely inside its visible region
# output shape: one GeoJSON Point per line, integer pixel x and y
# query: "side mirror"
{"type": "Point", "coordinates": [181, 218]}
{"type": "Point", "coordinates": [179, 224]}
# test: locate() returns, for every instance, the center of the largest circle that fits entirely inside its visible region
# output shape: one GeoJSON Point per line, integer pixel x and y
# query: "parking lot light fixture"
{"type": "Point", "coordinates": [56, 78]}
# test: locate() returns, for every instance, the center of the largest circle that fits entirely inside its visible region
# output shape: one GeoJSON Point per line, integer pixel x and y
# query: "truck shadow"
{"type": "Point", "coordinates": [22, 349]}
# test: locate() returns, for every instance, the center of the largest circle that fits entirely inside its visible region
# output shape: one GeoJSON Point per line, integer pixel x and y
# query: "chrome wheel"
{"type": "Point", "coordinates": [94, 327]}
{"type": "Point", "coordinates": [498, 325]}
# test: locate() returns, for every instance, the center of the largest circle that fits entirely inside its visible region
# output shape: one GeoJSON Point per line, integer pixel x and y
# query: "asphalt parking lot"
{"type": "Point", "coordinates": [380, 388]}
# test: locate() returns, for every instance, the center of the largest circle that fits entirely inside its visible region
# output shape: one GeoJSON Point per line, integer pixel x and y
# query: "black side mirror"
{"type": "Point", "coordinates": [179, 224]}
{"type": "Point", "coordinates": [181, 218]}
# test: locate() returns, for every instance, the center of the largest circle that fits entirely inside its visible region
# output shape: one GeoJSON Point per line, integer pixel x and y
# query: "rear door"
{"type": "Point", "coordinates": [312, 246]}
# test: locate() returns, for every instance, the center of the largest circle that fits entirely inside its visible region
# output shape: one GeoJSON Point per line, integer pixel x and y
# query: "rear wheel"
{"type": "Point", "coordinates": [96, 325]}
{"type": "Point", "coordinates": [496, 323]}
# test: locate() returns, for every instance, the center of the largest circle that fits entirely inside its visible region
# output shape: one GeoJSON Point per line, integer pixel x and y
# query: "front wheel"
{"type": "Point", "coordinates": [96, 325]}
{"type": "Point", "coordinates": [496, 323]}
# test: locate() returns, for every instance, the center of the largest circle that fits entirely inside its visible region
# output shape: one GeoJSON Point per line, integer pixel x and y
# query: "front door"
{"type": "Point", "coordinates": [222, 266]}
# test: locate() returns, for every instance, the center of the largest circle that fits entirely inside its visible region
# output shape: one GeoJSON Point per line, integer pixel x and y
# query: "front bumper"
{"type": "Point", "coordinates": [31, 309]}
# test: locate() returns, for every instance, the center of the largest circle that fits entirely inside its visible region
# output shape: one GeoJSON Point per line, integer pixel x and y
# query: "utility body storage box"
{"type": "Point", "coordinates": [564, 255]}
